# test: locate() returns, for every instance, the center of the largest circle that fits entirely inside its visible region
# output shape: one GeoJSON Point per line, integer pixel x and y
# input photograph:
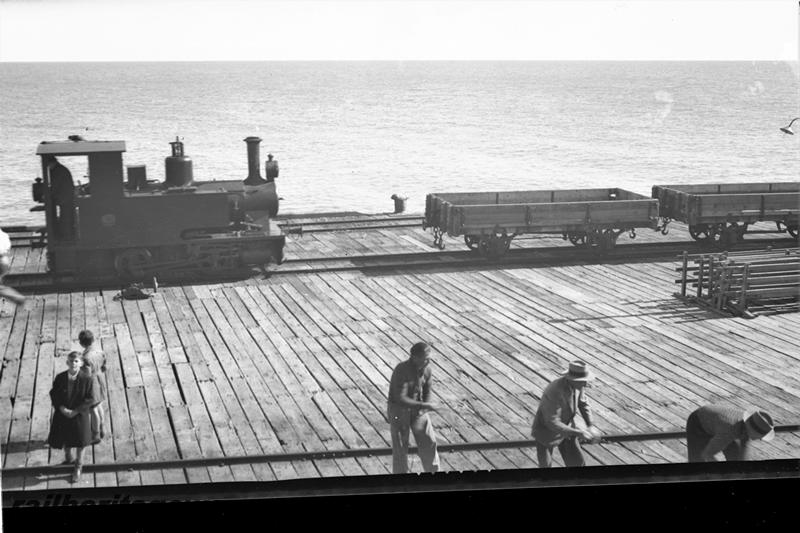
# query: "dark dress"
{"type": "Point", "coordinates": [75, 431]}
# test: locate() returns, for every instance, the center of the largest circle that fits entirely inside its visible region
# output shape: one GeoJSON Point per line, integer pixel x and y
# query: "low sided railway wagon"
{"type": "Point", "coordinates": [721, 213]}
{"type": "Point", "coordinates": [488, 221]}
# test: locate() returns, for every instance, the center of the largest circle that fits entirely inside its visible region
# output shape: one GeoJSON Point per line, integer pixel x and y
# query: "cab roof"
{"type": "Point", "coordinates": [79, 147]}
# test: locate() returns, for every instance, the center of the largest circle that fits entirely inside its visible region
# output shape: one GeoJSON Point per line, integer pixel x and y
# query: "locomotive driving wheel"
{"type": "Point", "coordinates": [133, 262]}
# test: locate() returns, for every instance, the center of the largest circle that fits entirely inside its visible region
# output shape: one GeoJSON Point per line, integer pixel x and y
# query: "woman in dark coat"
{"type": "Point", "coordinates": [73, 395]}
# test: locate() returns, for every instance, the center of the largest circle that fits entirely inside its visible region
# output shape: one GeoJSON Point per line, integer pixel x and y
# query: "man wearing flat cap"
{"type": "Point", "coordinates": [554, 423]}
{"type": "Point", "coordinates": [714, 428]}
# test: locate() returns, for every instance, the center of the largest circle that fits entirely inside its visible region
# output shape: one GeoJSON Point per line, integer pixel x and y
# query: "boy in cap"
{"type": "Point", "coordinates": [409, 401]}
{"type": "Point", "coordinates": [719, 428]}
{"type": "Point", "coordinates": [554, 423]}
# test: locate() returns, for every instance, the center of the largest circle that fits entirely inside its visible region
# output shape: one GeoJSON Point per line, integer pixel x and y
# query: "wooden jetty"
{"type": "Point", "coordinates": [301, 363]}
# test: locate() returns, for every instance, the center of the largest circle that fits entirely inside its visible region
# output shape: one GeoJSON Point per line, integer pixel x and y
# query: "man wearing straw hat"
{"type": "Point", "coordinates": [712, 429]}
{"type": "Point", "coordinates": [554, 423]}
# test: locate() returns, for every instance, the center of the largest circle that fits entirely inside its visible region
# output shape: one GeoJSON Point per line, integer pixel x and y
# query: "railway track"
{"type": "Point", "coordinates": [388, 263]}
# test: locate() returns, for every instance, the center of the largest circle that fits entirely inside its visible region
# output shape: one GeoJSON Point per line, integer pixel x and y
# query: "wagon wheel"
{"type": "Point", "coordinates": [727, 237]}
{"type": "Point", "coordinates": [701, 232]}
{"type": "Point", "coordinates": [783, 227]}
{"type": "Point", "coordinates": [608, 241]}
{"type": "Point", "coordinates": [472, 241]}
{"type": "Point", "coordinates": [743, 230]}
{"type": "Point", "coordinates": [494, 247]}
{"type": "Point", "coordinates": [133, 262]}
{"type": "Point", "coordinates": [578, 238]}
{"type": "Point", "coordinates": [591, 239]}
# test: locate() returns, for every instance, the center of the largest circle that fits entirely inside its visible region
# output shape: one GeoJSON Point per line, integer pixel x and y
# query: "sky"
{"type": "Point", "coordinates": [210, 30]}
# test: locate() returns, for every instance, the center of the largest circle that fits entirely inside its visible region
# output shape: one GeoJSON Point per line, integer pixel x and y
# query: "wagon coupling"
{"type": "Point", "coordinates": [663, 227]}
{"type": "Point", "coordinates": [438, 238]}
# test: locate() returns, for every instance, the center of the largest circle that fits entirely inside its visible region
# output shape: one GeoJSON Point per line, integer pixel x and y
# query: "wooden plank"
{"type": "Point", "coordinates": [117, 413]}
{"type": "Point", "coordinates": [256, 368]}
{"type": "Point", "coordinates": [188, 442]}
{"type": "Point", "coordinates": [40, 418]}
{"type": "Point", "coordinates": [229, 443]}
{"type": "Point", "coordinates": [136, 326]}
{"type": "Point", "coordinates": [142, 433]}
{"type": "Point", "coordinates": [168, 330]}
{"type": "Point", "coordinates": [163, 367]}
{"type": "Point", "coordinates": [128, 362]}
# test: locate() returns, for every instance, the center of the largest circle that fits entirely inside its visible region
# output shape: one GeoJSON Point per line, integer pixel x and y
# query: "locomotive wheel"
{"type": "Point", "coordinates": [578, 239]}
{"type": "Point", "coordinates": [133, 262]}
{"type": "Point", "coordinates": [472, 241]}
{"type": "Point", "coordinates": [701, 232]}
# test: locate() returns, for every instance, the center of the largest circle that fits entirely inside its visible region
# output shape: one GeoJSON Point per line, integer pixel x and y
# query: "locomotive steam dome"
{"type": "Point", "coordinates": [178, 166]}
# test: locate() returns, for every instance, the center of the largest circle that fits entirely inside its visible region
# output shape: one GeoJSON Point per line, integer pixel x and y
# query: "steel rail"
{"type": "Point", "coordinates": [291, 222]}
{"type": "Point", "coordinates": [304, 230]}
{"type": "Point", "coordinates": [332, 454]}
{"type": "Point", "coordinates": [551, 256]}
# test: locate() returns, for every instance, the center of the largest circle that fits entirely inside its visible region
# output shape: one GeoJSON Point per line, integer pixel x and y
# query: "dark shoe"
{"type": "Point", "coordinates": [76, 474]}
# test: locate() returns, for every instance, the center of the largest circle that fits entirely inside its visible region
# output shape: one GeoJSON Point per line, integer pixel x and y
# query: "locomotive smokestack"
{"type": "Point", "coordinates": [253, 162]}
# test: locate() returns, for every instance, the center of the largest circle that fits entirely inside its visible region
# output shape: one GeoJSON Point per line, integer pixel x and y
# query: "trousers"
{"type": "Point", "coordinates": [402, 422]}
{"type": "Point", "coordinates": [570, 450]}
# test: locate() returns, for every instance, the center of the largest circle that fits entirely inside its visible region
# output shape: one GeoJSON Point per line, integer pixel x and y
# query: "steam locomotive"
{"type": "Point", "coordinates": [139, 229]}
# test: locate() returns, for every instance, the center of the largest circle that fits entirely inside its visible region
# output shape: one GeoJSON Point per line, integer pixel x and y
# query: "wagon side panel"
{"type": "Point", "coordinates": [715, 208]}
{"type": "Point", "coordinates": [485, 219]}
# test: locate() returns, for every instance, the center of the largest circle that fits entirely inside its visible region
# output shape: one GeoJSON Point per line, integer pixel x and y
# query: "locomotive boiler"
{"type": "Point", "coordinates": [138, 229]}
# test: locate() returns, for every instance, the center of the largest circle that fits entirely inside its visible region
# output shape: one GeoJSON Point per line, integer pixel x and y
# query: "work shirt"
{"type": "Point", "coordinates": [5, 243]}
{"type": "Point", "coordinates": [5, 251]}
{"type": "Point", "coordinates": [724, 424]}
{"type": "Point", "coordinates": [554, 420]}
{"type": "Point", "coordinates": [418, 385]}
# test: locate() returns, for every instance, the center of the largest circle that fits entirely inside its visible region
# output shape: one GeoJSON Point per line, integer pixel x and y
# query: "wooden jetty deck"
{"type": "Point", "coordinates": [302, 362]}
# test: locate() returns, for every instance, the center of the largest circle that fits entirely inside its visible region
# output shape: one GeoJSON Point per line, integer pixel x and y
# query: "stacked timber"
{"type": "Point", "coordinates": [745, 283]}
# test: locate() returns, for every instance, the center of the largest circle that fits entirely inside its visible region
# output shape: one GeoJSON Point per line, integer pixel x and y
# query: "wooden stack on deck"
{"type": "Point", "coordinates": [740, 282]}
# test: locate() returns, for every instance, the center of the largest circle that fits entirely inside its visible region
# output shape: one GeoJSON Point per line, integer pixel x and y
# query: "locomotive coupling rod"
{"type": "Point", "coordinates": [331, 454]}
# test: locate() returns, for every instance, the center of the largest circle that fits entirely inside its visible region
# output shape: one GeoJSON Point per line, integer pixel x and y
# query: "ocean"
{"type": "Point", "coordinates": [348, 135]}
